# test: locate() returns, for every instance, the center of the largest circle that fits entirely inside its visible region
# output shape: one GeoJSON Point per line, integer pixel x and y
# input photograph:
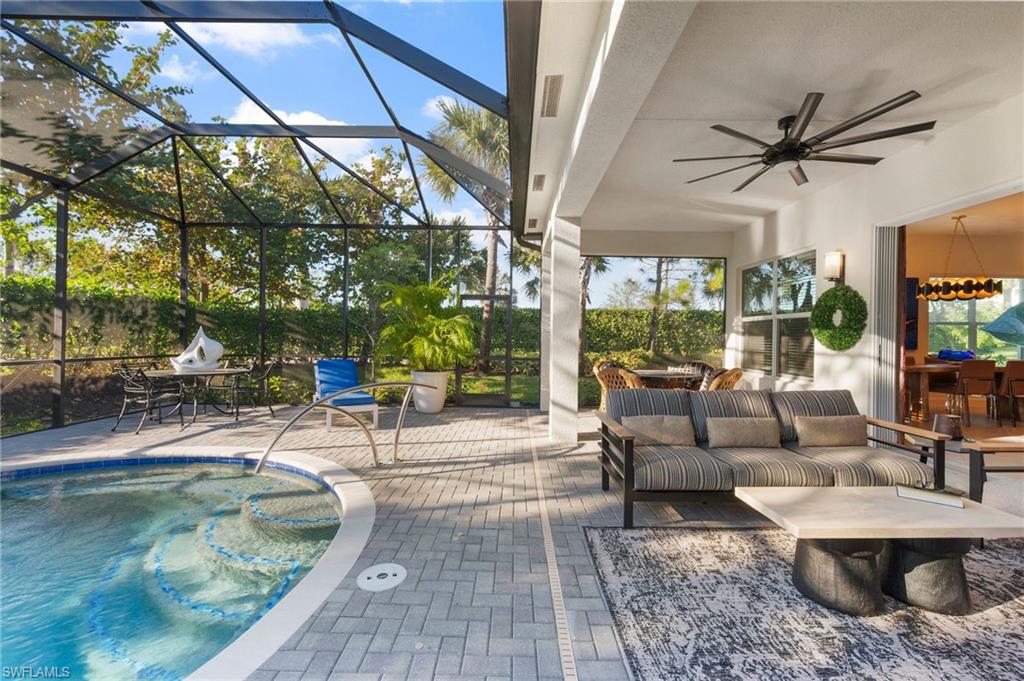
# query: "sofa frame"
{"type": "Point", "coordinates": [617, 458]}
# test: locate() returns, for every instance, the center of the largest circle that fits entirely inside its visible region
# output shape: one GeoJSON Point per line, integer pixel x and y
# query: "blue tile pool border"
{"type": "Point", "coordinates": [79, 466]}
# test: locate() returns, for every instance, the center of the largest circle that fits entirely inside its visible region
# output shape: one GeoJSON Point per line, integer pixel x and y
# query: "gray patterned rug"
{"type": "Point", "coordinates": [719, 604]}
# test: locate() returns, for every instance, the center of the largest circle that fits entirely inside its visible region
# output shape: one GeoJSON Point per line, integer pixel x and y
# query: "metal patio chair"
{"type": "Point", "coordinates": [139, 389]}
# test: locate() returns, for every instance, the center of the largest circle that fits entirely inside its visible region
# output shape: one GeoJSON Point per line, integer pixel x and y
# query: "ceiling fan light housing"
{"type": "Point", "coordinates": [786, 165]}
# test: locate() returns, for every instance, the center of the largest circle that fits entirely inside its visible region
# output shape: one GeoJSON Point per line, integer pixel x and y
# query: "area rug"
{"type": "Point", "coordinates": [720, 604]}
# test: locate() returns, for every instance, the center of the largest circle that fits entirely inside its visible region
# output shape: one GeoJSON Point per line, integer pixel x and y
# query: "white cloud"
{"type": "Point", "coordinates": [183, 72]}
{"type": "Point", "coordinates": [470, 216]}
{"type": "Point", "coordinates": [432, 109]}
{"type": "Point", "coordinates": [258, 40]}
{"type": "Point", "coordinates": [255, 40]}
{"type": "Point", "coordinates": [345, 150]}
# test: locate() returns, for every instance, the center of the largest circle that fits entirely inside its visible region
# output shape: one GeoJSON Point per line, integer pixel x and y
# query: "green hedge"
{"type": "Point", "coordinates": [105, 322]}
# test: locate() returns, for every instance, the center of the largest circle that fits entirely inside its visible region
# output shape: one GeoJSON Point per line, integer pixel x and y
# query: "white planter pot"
{"type": "Point", "coordinates": [429, 401]}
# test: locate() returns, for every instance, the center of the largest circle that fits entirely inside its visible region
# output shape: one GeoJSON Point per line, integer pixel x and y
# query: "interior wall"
{"type": "Point", "coordinates": [966, 162]}
{"type": "Point", "coordinates": [1002, 256]}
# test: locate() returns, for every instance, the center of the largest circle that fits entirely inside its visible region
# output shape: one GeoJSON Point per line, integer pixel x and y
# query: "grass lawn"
{"type": "Point", "coordinates": [525, 389]}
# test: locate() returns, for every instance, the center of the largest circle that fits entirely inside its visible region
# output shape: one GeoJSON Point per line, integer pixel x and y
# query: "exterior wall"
{"type": "Point", "coordinates": [563, 345]}
{"type": "Point", "coordinates": [976, 160]}
{"type": "Point", "coordinates": [672, 244]}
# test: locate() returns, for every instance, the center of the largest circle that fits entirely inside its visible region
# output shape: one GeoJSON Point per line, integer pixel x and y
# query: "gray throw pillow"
{"type": "Point", "coordinates": [832, 431]}
{"type": "Point", "coordinates": [660, 430]}
{"type": "Point", "coordinates": [743, 432]}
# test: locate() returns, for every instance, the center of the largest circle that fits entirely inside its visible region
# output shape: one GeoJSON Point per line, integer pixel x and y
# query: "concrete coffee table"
{"type": "Point", "coordinates": [853, 543]}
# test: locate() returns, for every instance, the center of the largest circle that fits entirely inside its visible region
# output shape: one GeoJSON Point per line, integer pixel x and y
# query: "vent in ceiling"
{"type": "Point", "coordinates": [538, 182]}
{"type": "Point", "coordinates": [552, 93]}
{"type": "Point", "coordinates": [531, 224]}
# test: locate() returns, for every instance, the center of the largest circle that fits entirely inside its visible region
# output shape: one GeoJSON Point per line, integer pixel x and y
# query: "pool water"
{"type": "Point", "coordinates": [149, 572]}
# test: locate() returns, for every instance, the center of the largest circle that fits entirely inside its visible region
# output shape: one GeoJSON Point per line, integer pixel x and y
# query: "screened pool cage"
{"type": "Point", "coordinates": [127, 224]}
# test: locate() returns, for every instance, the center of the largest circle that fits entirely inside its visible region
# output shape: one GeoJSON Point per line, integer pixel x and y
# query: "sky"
{"type": "Point", "coordinates": [308, 75]}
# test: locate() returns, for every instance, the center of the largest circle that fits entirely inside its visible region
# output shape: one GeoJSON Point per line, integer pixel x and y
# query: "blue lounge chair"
{"type": "Point", "coordinates": [336, 374]}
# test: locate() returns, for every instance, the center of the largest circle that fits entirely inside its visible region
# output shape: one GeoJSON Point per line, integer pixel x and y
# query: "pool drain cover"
{"type": "Point", "coordinates": [381, 577]}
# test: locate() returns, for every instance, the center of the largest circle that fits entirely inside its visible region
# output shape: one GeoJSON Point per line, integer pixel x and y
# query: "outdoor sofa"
{"type": "Point", "coordinates": [700, 471]}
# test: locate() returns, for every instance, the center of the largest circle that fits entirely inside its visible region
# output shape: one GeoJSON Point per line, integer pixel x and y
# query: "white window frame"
{"type": "Point", "coordinates": [774, 316]}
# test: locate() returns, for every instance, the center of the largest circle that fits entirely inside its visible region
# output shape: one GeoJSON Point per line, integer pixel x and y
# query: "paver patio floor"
{"type": "Point", "coordinates": [462, 513]}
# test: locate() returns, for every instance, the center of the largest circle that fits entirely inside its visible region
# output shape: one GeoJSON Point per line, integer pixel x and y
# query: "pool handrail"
{"type": "Point", "coordinates": [409, 385]}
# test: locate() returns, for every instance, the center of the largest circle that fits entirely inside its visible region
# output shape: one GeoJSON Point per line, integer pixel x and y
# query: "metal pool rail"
{"type": "Point", "coordinates": [322, 402]}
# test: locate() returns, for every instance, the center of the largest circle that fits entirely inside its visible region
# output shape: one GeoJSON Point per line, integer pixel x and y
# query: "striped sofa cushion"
{"type": "Point", "coordinates": [776, 467]}
{"type": "Point", "coordinates": [869, 466]}
{"type": "Point", "coordinates": [647, 402]}
{"type": "Point", "coordinates": [792, 403]}
{"type": "Point", "coordinates": [679, 469]}
{"type": "Point", "coordinates": [727, 403]}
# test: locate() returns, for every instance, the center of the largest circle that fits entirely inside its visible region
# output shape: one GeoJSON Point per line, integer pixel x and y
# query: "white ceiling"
{"type": "Point", "coordinates": [1002, 217]}
{"type": "Point", "coordinates": [747, 64]}
{"type": "Point", "coordinates": [566, 36]}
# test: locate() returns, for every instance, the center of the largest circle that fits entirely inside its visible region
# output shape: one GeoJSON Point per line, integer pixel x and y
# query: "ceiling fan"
{"type": "Point", "coordinates": [792, 149]}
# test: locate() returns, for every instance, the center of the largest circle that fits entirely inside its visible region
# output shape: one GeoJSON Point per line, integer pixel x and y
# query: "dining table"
{"type": "Point", "coordinates": [193, 384]}
{"type": "Point", "coordinates": [919, 380]}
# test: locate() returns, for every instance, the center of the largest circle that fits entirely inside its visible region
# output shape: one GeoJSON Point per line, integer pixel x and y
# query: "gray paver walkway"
{"type": "Point", "coordinates": [461, 514]}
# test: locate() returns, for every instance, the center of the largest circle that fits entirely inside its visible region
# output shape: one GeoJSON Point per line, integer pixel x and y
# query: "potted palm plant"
{"type": "Point", "coordinates": [429, 336]}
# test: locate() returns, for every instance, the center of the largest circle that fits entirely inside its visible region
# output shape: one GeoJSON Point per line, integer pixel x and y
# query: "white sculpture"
{"type": "Point", "coordinates": [201, 354]}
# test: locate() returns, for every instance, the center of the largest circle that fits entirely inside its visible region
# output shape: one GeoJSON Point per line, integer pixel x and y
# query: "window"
{"type": "Point", "coordinates": [957, 324]}
{"type": "Point", "coordinates": [777, 297]}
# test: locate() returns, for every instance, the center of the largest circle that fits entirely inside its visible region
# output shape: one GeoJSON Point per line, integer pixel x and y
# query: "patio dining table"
{"type": "Point", "coordinates": [183, 376]}
{"type": "Point", "coordinates": [664, 378]}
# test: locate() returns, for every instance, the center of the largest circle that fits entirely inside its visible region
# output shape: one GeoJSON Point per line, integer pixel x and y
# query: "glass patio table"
{"type": "Point", "coordinates": [664, 378]}
{"type": "Point", "coordinates": [193, 385]}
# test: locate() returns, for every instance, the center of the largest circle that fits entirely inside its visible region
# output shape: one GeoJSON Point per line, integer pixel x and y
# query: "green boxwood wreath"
{"type": "Point", "coordinates": [853, 318]}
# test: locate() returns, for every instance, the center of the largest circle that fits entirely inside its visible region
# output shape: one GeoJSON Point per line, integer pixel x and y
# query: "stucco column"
{"type": "Point", "coordinates": [564, 325]}
{"type": "Point", "coordinates": [545, 323]}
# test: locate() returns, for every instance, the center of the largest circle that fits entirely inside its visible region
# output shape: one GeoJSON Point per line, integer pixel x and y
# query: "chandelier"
{"type": "Point", "coordinates": [960, 288]}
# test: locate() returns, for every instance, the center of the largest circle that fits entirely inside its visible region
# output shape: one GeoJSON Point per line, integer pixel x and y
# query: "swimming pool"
{"type": "Point", "coordinates": [149, 571]}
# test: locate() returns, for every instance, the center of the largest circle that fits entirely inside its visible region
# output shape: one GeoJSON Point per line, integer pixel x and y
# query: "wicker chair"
{"type": "Point", "coordinates": [727, 380]}
{"type": "Point", "coordinates": [615, 378]}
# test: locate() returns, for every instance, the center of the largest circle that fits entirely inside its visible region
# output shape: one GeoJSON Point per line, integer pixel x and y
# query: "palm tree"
{"type": "Point", "coordinates": [589, 266]}
{"type": "Point", "coordinates": [480, 137]}
{"type": "Point", "coordinates": [528, 262]}
{"type": "Point", "coordinates": [712, 280]}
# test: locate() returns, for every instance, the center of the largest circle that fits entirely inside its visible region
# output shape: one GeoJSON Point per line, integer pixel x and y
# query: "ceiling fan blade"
{"type": "Point", "coordinates": [714, 158]}
{"type": "Point", "coordinates": [872, 136]}
{"type": "Point", "coordinates": [804, 116]}
{"type": "Point", "coordinates": [885, 107]}
{"type": "Point", "coordinates": [753, 177]}
{"type": "Point", "coordinates": [798, 176]}
{"type": "Point", "coordinates": [845, 158]}
{"type": "Point", "coordinates": [723, 172]}
{"type": "Point", "coordinates": [740, 136]}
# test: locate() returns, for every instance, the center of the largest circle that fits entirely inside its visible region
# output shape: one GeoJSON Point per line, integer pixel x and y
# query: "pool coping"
{"type": "Point", "coordinates": [259, 642]}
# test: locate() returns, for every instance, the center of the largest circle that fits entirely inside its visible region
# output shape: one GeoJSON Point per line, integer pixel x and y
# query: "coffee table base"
{"type": "Point", "coordinates": [928, 573]}
{"type": "Point", "coordinates": [842, 574]}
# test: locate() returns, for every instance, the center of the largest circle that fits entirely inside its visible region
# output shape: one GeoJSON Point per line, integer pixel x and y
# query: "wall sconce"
{"type": "Point", "coordinates": [835, 266]}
